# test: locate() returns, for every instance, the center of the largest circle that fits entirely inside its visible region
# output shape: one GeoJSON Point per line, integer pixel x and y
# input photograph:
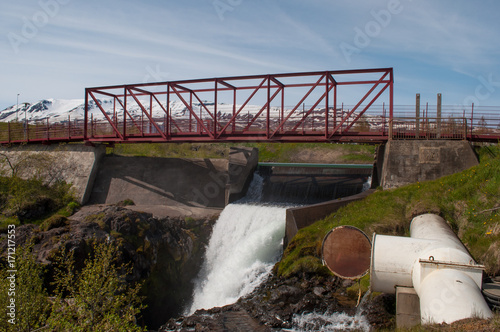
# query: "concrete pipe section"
{"type": "Point", "coordinates": [436, 264]}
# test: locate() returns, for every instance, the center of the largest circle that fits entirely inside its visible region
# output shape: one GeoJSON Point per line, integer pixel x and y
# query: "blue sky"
{"type": "Point", "coordinates": [56, 48]}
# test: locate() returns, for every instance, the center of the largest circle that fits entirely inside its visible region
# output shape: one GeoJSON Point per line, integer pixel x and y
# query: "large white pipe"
{"type": "Point", "coordinates": [449, 295]}
{"type": "Point", "coordinates": [392, 261]}
{"type": "Point", "coordinates": [436, 263]}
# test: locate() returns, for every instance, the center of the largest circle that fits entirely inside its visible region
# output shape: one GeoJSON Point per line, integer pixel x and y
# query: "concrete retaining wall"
{"type": "Point", "coordinates": [166, 182]}
{"type": "Point", "coordinates": [242, 164]}
{"type": "Point", "coordinates": [298, 218]}
{"type": "Point", "coordinates": [411, 161]}
{"type": "Point", "coordinates": [74, 163]}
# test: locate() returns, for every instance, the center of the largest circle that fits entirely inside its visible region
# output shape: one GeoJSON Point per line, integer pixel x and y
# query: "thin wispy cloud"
{"type": "Point", "coordinates": [446, 46]}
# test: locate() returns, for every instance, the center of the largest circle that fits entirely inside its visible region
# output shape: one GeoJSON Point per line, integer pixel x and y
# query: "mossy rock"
{"type": "Point", "coordinates": [55, 221]}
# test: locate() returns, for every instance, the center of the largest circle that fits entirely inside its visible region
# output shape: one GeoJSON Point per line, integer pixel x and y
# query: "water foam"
{"type": "Point", "coordinates": [368, 184]}
{"type": "Point", "coordinates": [329, 322]}
{"type": "Point", "coordinates": [246, 242]}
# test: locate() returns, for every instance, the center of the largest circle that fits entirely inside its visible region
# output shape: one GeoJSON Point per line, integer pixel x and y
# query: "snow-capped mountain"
{"type": "Point", "coordinates": [60, 110]}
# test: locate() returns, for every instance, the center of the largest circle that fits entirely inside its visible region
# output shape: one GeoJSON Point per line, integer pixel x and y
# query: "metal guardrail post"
{"type": "Point", "coordinates": [417, 114]}
{"type": "Point", "coordinates": [390, 128]}
{"type": "Point", "coordinates": [438, 116]}
{"type": "Point", "coordinates": [465, 128]}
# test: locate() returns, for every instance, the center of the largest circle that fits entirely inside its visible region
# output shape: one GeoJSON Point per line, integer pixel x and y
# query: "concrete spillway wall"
{"type": "Point", "coordinates": [242, 164]}
{"type": "Point", "coordinates": [98, 178]}
{"type": "Point", "coordinates": [203, 183]}
{"type": "Point", "coordinates": [74, 163]}
{"type": "Point", "coordinates": [161, 181]}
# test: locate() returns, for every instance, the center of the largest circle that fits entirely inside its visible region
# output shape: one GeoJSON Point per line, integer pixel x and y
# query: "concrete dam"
{"type": "Point", "coordinates": [200, 188]}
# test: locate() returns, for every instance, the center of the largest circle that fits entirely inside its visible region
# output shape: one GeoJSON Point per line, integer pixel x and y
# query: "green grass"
{"type": "Point", "coordinates": [463, 199]}
{"type": "Point", "coordinates": [172, 150]}
{"type": "Point", "coordinates": [268, 152]}
{"type": "Point", "coordinates": [6, 221]}
{"type": "Point", "coordinates": [32, 196]}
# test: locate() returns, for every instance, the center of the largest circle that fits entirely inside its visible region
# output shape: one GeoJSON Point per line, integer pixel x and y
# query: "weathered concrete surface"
{"type": "Point", "coordinates": [298, 218]}
{"type": "Point", "coordinates": [242, 163]}
{"type": "Point", "coordinates": [74, 163]}
{"type": "Point", "coordinates": [411, 161]}
{"type": "Point", "coordinates": [171, 182]}
{"type": "Point", "coordinates": [407, 308]}
{"type": "Point", "coordinates": [158, 211]}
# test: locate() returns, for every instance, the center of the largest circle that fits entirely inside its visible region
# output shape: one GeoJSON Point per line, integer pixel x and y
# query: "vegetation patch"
{"type": "Point", "coordinates": [268, 152]}
{"type": "Point", "coordinates": [55, 221]}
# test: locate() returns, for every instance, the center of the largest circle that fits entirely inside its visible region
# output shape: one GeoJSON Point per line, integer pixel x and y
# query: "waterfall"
{"type": "Point", "coordinates": [254, 192]}
{"type": "Point", "coordinates": [368, 184]}
{"type": "Point", "coordinates": [246, 242]}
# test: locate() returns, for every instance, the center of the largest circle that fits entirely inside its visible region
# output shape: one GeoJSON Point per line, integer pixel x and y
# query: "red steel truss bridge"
{"type": "Point", "coordinates": [322, 106]}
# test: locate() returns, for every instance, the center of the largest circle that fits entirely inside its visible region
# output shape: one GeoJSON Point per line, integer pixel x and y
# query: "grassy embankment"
{"type": "Point", "coordinates": [268, 152]}
{"type": "Point", "coordinates": [469, 201]}
{"type": "Point", "coordinates": [33, 202]}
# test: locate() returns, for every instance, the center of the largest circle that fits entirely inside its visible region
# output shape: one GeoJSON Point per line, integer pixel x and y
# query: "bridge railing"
{"type": "Point", "coordinates": [41, 131]}
{"type": "Point", "coordinates": [475, 123]}
{"type": "Point", "coordinates": [428, 128]}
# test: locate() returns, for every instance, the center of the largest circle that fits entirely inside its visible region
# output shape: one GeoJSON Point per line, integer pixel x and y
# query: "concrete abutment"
{"type": "Point", "coordinates": [73, 163]}
{"type": "Point", "coordinates": [410, 161]}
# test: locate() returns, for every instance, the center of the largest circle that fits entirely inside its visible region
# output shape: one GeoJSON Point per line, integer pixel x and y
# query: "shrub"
{"type": "Point", "coordinates": [101, 299]}
{"type": "Point", "coordinates": [32, 306]}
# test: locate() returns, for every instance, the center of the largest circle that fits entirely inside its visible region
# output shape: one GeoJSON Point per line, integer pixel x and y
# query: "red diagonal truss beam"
{"type": "Point", "coordinates": [105, 115]}
{"type": "Point", "coordinates": [344, 119]}
{"type": "Point", "coordinates": [313, 107]}
{"type": "Point", "coordinates": [266, 106]}
{"type": "Point", "coordinates": [280, 126]}
{"type": "Point", "coordinates": [154, 96]}
{"type": "Point", "coordinates": [144, 111]}
{"type": "Point", "coordinates": [190, 108]}
{"type": "Point", "coordinates": [233, 118]}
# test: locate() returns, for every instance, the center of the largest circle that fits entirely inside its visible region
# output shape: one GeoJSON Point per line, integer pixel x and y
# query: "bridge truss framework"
{"type": "Point", "coordinates": [202, 98]}
{"type": "Point", "coordinates": [254, 108]}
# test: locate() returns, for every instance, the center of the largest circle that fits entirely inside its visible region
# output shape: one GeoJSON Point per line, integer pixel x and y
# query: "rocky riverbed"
{"type": "Point", "coordinates": [286, 304]}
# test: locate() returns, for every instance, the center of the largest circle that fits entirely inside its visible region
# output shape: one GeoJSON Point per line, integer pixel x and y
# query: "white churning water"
{"type": "Point", "coordinates": [246, 242]}
{"type": "Point", "coordinates": [329, 322]}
